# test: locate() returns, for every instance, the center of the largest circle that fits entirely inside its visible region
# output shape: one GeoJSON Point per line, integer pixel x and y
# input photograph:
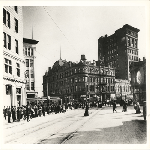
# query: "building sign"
{"type": "Point", "coordinates": [83, 95]}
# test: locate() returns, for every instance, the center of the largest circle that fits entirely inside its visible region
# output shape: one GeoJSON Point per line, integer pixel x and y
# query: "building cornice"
{"type": "Point", "coordinates": [13, 57]}
{"type": "Point", "coordinates": [14, 80]}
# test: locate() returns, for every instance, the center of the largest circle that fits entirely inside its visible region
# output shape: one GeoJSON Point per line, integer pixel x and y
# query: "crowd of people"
{"type": "Point", "coordinates": [15, 114]}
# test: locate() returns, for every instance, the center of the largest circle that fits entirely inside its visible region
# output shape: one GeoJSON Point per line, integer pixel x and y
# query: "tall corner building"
{"type": "Point", "coordinates": [119, 50]}
{"type": "Point", "coordinates": [29, 48]}
{"type": "Point", "coordinates": [13, 59]}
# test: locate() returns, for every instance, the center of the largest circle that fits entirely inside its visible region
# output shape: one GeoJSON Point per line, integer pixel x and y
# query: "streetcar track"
{"type": "Point", "coordinates": [68, 136]}
{"type": "Point", "coordinates": [45, 123]}
{"type": "Point", "coordinates": [72, 134]}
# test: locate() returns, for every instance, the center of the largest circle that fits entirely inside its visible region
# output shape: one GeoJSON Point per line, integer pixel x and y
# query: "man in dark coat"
{"type": "Point", "coordinates": [27, 112]}
{"type": "Point", "coordinates": [114, 106]}
{"type": "Point", "coordinates": [13, 114]}
{"type": "Point", "coordinates": [5, 112]}
{"type": "Point", "coordinates": [43, 110]}
{"type": "Point", "coordinates": [9, 114]}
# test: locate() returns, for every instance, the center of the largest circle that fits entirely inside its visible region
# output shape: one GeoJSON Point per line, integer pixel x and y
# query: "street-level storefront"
{"type": "Point", "coordinates": [13, 92]}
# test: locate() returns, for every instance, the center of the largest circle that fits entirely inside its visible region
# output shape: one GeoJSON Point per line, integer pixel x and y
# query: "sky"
{"type": "Point", "coordinates": [75, 30]}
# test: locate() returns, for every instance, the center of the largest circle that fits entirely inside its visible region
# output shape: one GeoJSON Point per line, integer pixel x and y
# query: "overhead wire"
{"type": "Point", "coordinates": [58, 27]}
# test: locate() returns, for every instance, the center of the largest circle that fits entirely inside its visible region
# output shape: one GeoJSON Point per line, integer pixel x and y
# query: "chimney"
{"type": "Point", "coordinates": [94, 62]}
{"type": "Point", "coordinates": [143, 58]}
{"type": "Point", "coordinates": [83, 57]}
{"type": "Point", "coordinates": [139, 59]}
{"type": "Point", "coordinates": [49, 68]}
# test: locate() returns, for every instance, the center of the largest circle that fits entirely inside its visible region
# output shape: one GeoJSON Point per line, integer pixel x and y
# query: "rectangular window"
{"type": "Point", "coordinates": [32, 73]}
{"type": "Point", "coordinates": [8, 19]}
{"type": "Point", "coordinates": [32, 85]}
{"type": "Point", "coordinates": [4, 16]}
{"type": "Point", "coordinates": [8, 66]}
{"type": "Point", "coordinates": [16, 25]}
{"type": "Point", "coordinates": [26, 51]}
{"type": "Point", "coordinates": [18, 69]}
{"type": "Point", "coordinates": [31, 51]}
{"type": "Point", "coordinates": [16, 9]}
{"type": "Point", "coordinates": [8, 89]}
{"type": "Point", "coordinates": [27, 74]}
{"type": "Point", "coordinates": [27, 86]}
{"type": "Point", "coordinates": [76, 88]}
{"type": "Point", "coordinates": [128, 41]}
{"type": "Point", "coordinates": [4, 39]}
{"type": "Point", "coordinates": [18, 91]}
{"type": "Point", "coordinates": [9, 42]}
{"type": "Point", "coordinates": [135, 42]}
{"type": "Point", "coordinates": [16, 46]}
{"type": "Point", "coordinates": [27, 62]}
{"type": "Point", "coordinates": [31, 63]}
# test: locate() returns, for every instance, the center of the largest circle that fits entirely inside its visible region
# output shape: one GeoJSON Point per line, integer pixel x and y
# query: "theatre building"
{"type": "Point", "coordinates": [79, 81]}
{"type": "Point", "coordinates": [13, 59]}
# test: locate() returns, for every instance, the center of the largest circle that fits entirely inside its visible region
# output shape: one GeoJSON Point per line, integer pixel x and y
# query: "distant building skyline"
{"type": "Point", "coordinates": [76, 30]}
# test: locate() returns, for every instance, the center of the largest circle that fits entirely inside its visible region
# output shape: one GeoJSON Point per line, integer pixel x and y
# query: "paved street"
{"type": "Point", "coordinates": [102, 126]}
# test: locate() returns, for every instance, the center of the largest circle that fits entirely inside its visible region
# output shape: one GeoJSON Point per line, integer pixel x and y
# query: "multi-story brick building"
{"type": "Point", "coordinates": [74, 81]}
{"type": "Point", "coordinates": [13, 59]}
{"type": "Point", "coordinates": [119, 50]}
{"type": "Point", "coordinates": [138, 80]}
{"type": "Point", "coordinates": [29, 47]}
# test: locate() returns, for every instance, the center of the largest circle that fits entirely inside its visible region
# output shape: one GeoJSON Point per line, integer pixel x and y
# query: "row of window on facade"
{"type": "Point", "coordinates": [7, 42]}
{"type": "Point", "coordinates": [28, 51]}
{"type": "Point", "coordinates": [131, 42]}
{"type": "Point", "coordinates": [8, 67]}
{"type": "Point", "coordinates": [88, 88]}
{"type": "Point", "coordinates": [135, 58]}
{"type": "Point", "coordinates": [123, 88]}
{"type": "Point", "coordinates": [27, 74]}
{"type": "Point", "coordinates": [85, 79]}
{"type": "Point", "coordinates": [6, 20]}
{"type": "Point", "coordinates": [9, 90]}
{"type": "Point", "coordinates": [29, 61]}
{"type": "Point", "coordinates": [135, 52]}
{"type": "Point", "coordinates": [132, 33]}
{"type": "Point", "coordinates": [30, 87]}
{"type": "Point", "coordinates": [113, 64]}
{"type": "Point", "coordinates": [111, 51]}
{"type": "Point", "coordinates": [62, 75]}
{"type": "Point", "coordinates": [112, 57]}
{"type": "Point", "coordinates": [111, 45]}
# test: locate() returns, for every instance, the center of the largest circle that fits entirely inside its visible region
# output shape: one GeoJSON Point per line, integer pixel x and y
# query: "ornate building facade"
{"type": "Point", "coordinates": [74, 81]}
{"type": "Point", "coordinates": [119, 50]}
{"type": "Point", "coordinates": [138, 80]}
{"type": "Point", "coordinates": [123, 89]}
{"type": "Point", "coordinates": [13, 59]}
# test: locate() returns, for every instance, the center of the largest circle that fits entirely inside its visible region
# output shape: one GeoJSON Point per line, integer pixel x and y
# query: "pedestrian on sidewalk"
{"type": "Point", "coordinates": [114, 106]}
{"type": "Point", "coordinates": [123, 106]}
{"type": "Point", "coordinates": [19, 113]}
{"type": "Point", "coordinates": [27, 112]}
{"type": "Point", "coordinates": [138, 111]}
{"type": "Point", "coordinates": [43, 110]}
{"type": "Point", "coordinates": [4, 112]}
{"type": "Point", "coordinates": [13, 114]}
{"type": "Point", "coordinates": [24, 113]}
{"type": "Point", "coordinates": [9, 114]}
